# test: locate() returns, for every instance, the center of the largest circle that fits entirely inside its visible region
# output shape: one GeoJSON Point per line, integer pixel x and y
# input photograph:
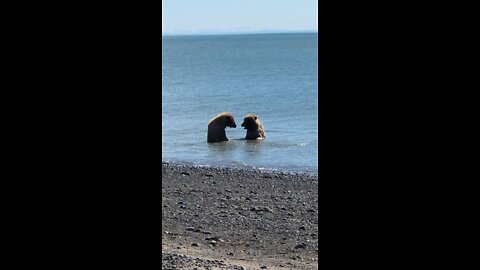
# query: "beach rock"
{"type": "Point", "coordinates": [215, 238]}
{"type": "Point", "coordinates": [261, 209]}
{"type": "Point", "coordinates": [267, 209]}
{"type": "Point", "coordinates": [302, 245]}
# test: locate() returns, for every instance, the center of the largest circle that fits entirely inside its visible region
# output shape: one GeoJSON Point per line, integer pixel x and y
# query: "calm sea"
{"type": "Point", "coordinates": [271, 75]}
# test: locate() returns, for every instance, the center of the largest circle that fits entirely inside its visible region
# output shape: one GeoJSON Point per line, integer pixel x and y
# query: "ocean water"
{"type": "Point", "coordinates": [271, 75]}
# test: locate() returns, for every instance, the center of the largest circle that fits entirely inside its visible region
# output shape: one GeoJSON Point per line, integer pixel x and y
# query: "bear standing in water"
{"type": "Point", "coordinates": [254, 127]}
{"type": "Point", "coordinates": [216, 127]}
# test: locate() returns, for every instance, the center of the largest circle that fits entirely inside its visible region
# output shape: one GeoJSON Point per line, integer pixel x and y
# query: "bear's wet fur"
{"type": "Point", "coordinates": [254, 127]}
{"type": "Point", "coordinates": [216, 127]}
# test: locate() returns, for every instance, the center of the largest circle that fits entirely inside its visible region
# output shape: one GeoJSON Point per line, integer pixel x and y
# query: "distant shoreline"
{"type": "Point", "coordinates": [237, 34]}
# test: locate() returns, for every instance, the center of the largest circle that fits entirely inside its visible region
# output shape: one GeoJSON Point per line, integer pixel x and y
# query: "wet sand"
{"type": "Point", "coordinates": [221, 218]}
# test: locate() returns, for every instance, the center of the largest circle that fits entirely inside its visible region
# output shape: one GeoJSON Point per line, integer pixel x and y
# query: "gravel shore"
{"type": "Point", "coordinates": [223, 218]}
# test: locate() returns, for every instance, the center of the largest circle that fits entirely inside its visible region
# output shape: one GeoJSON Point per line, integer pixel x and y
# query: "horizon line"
{"type": "Point", "coordinates": [241, 33]}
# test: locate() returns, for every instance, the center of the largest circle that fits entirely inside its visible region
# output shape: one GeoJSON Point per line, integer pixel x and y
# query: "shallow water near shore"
{"type": "Point", "coordinates": [271, 75]}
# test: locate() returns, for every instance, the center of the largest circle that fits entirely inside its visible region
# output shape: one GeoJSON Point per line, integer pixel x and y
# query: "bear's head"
{"type": "Point", "coordinates": [228, 120]}
{"type": "Point", "coordinates": [250, 122]}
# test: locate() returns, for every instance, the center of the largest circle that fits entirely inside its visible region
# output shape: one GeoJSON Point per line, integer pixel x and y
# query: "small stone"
{"type": "Point", "coordinates": [267, 209]}
{"type": "Point", "coordinates": [195, 245]}
{"type": "Point", "coordinates": [185, 173]}
{"type": "Point", "coordinates": [190, 229]}
{"type": "Point", "coordinates": [215, 238]}
{"type": "Point", "coordinates": [302, 228]}
{"type": "Point", "coordinates": [302, 245]}
{"type": "Point", "coordinates": [263, 267]}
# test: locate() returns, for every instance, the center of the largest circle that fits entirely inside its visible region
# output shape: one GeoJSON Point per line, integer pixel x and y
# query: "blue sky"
{"type": "Point", "coordinates": [238, 16]}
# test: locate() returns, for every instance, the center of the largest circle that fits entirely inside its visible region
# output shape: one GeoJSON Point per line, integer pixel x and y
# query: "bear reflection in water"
{"type": "Point", "coordinates": [236, 150]}
{"type": "Point", "coordinates": [222, 146]}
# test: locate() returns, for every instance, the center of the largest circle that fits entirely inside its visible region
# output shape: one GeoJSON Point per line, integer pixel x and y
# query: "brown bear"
{"type": "Point", "coordinates": [216, 127]}
{"type": "Point", "coordinates": [254, 127]}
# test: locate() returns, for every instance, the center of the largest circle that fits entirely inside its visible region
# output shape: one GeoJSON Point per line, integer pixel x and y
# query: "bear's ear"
{"type": "Point", "coordinates": [255, 117]}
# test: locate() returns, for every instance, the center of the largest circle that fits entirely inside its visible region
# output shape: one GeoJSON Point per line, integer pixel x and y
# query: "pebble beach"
{"type": "Point", "coordinates": [226, 218]}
